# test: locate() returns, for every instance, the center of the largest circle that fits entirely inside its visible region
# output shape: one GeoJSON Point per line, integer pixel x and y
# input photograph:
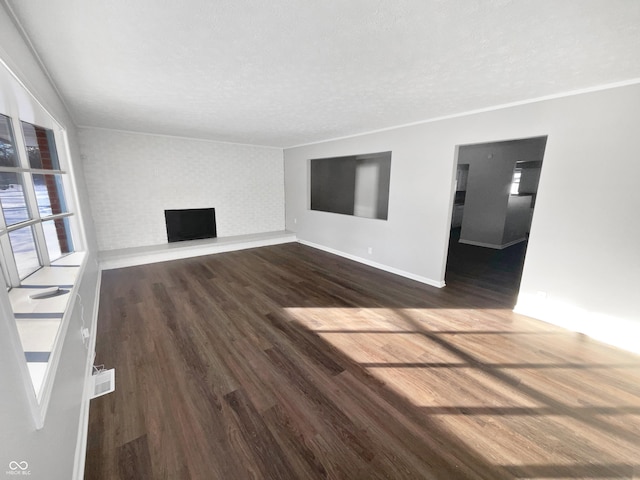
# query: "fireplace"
{"type": "Point", "coordinates": [190, 224]}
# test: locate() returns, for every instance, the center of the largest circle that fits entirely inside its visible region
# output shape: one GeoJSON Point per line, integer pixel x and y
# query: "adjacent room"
{"type": "Point", "coordinates": [305, 240]}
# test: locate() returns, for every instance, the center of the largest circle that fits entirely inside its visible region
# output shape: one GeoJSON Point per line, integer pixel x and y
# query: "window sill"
{"type": "Point", "coordinates": [39, 320]}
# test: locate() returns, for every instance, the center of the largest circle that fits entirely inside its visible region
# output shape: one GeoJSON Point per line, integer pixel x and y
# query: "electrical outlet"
{"type": "Point", "coordinates": [370, 250]}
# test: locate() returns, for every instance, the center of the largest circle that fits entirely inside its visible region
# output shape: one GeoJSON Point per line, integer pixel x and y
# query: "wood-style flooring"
{"type": "Point", "coordinates": [286, 362]}
{"type": "Point", "coordinates": [486, 270]}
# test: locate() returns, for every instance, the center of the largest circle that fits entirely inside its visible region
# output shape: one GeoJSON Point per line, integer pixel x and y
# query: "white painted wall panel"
{"type": "Point", "coordinates": [583, 249]}
{"type": "Point", "coordinates": [133, 178]}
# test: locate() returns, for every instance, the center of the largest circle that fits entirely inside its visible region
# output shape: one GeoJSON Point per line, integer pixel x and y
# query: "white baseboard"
{"type": "Point", "coordinates": [492, 245]}
{"type": "Point", "coordinates": [380, 266]}
{"type": "Point", "coordinates": [618, 332]}
{"type": "Point", "coordinates": [129, 257]}
{"type": "Point", "coordinates": [83, 424]}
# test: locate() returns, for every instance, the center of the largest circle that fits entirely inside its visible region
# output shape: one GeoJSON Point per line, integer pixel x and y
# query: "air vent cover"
{"type": "Point", "coordinates": [104, 382]}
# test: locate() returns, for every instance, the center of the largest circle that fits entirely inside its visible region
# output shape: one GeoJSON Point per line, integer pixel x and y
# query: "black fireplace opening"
{"type": "Point", "coordinates": [190, 224]}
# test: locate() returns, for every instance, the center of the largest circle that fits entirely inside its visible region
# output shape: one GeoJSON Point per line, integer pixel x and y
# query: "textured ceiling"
{"type": "Point", "coordinates": [284, 73]}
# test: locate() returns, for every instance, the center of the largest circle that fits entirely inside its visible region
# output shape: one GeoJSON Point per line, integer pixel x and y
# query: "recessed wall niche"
{"type": "Point", "coordinates": [352, 185]}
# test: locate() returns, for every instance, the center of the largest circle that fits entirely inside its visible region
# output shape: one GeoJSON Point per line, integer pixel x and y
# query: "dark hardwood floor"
{"type": "Point", "coordinates": [486, 270]}
{"type": "Point", "coordinates": [286, 362]}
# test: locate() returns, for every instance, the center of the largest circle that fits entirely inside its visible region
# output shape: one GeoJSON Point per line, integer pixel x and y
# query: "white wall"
{"type": "Point", "coordinates": [583, 250]}
{"type": "Point", "coordinates": [49, 451]}
{"type": "Point", "coordinates": [133, 178]}
{"type": "Point", "coordinates": [529, 180]}
{"type": "Point", "coordinates": [487, 202]}
{"type": "Point", "coordinates": [517, 222]}
{"type": "Point", "coordinates": [419, 207]}
{"type": "Point", "coordinates": [488, 183]}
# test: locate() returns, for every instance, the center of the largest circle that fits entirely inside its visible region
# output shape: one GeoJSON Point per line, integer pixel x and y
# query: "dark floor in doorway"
{"type": "Point", "coordinates": [497, 271]}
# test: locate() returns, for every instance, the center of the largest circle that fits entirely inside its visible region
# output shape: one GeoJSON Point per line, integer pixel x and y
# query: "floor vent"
{"type": "Point", "coordinates": [104, 382]}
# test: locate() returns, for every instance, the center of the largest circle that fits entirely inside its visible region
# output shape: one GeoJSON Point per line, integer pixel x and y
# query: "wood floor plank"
{"type": "Point", "coordinates": [134, 461]}
{"type": "Point", "coordinates": [286, 362]}
{"type": "Point", "coordinates": [294, 439]}
{"type": "Point", "coordinates": [267, 453]}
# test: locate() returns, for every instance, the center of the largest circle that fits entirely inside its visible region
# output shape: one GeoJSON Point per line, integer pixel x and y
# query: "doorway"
{"type": "Point", "coordinates": [493, 205]}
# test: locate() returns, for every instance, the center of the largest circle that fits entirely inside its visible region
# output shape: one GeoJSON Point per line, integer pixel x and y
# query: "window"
{"type": "Point", "coordinates": [36, 237]}
{"type": "Point", "coordinates": [515, 181]}
{"type": "Point", "coordinates": [39, 236]}
{"type": "Point", "coordinates": [12, 198]}
{"type": "Point", "coordinates": [35, 229]}
{"type": "Point", "coordinates": [58, 237]}
{"type": "Point", "coordinates": [24, 250]}
{"type": "Point", "coordinates": [8, 156]}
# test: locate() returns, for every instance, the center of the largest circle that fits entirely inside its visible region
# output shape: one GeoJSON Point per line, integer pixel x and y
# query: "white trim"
{"type": "Point", "coordinates": [83, 422]}
{"type": "Point", "coordinates": [492, 245]}
{"type": "Point", "coordinates": [78, 233]}
{"type": "Point", "coordinates": [380, 266]}
{"type": "Point", "coordinates": [35, 221]}
{"type": "Point", "coordinates": [52, 366]}
{"type": "Point", "coordinates": [57, 123]}
{"type": "Point", "coordinates": [37, 171]}
{"type": "Point", "coordinates": [18, 351]}
{"type": "Point", "coordinates": [128, 257]}
{"type": "Point", "coordinates": [25, 38]}
{"type": "Point", "coordinates": [179, 137]}
{"type": "Point", "coordinates": [616, 331]}
{"type": "Point", "coordinates": [571, 93]}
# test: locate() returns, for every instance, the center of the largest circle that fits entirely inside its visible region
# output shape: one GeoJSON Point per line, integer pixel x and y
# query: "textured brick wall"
{"type": "Point", "coordinates": [132, 178]}
{"type": "Point", "coordinates": [52, 188]}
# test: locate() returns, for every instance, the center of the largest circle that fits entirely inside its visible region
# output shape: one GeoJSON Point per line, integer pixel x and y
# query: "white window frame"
{"type": "Point", "coordinates": [35, 220]}
{"type": "Point", "coordinates": [17, 103]}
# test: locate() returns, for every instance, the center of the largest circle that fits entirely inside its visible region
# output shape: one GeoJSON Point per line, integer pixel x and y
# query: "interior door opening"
{"type": "Point", "coordinates": [493, 205]}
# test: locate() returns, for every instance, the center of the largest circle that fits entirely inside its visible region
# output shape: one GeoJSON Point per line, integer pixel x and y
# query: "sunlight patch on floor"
{"type": "Point", "coordinates": [484, 379]}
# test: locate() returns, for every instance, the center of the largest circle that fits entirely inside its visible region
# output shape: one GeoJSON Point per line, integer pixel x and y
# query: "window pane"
{"type": "Point", "coordinates": [8, 157]}
{"type": "Point", "coordinates": [24, 251]}
{"type": "Point", "coordinates": [50, 194]}
{"type": "Point", "coordinates": [14, 205]}
{"type": "Point", "coordinates": [41, 147]}
{"type": "Point", "coordinates": [515, 182]}
{"type": "Point", "coordinates": [58, 236]}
